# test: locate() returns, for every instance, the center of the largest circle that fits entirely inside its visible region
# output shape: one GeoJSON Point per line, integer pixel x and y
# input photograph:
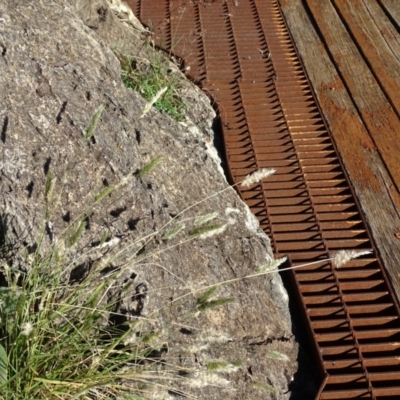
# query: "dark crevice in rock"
{"type": "Point", "coordinates": [177, 393]}
{"type": "Point", "coordinates": [138, 136]}
{"type": "Point", "coordinates": [29, 188]}
{"type": "Point", "coordinates": [61, 112]}
{"type": "Point", "coordinates": [67, 217]}
{"type": "Point", "coordinates": [3, 236]}
{"type": "Point", "coordinates": [87, 223]}
{"type": "Point", "coordinates": [3, 280]}
{"type": "Point", "coordinates": [117, 212]}
{"type": "Point", "coordinates": [71, 121]}
{"type": "Point", "coordinates": [98, 242]}
{"type": "Point", "coordinates": [46, 166]}
{"type": "Point", "coordinates": [79, 273]}
{"type": "Point", "coordinates": [108, 270]}
{"type": "Point", "coordinates": [141, 251]}
{"type": "Point", "coordinates": [218, 143]}
{"type": "Point", "coordinates": [102, 12]}
{"type": "Point", "coordinates": [137, 301]}
{"type": "Point", "coordinates": [270, 340]}
{"type": "Point", "coordinates": [49, 231]}
{"type": "Point", "coordinates": [185, 331]}
{"type": "Point", "coordinates": [31, 248]}
{"type": "Point", "coordinates": [4, 130]}
{"type": "Point", "coordinates": [132, 223]}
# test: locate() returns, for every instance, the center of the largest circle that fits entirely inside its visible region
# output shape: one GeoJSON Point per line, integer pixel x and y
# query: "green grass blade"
{"type": "Point", "coordinates": [3, 365]}
{"type": "Point", "coordinates": [77, 234]}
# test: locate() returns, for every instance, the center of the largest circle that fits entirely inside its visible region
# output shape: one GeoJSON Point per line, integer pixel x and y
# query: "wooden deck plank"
{"type": "Point", "coordinates": [378, 115]}
{"type": "Point", "coordinates": [378, 42]}
{"type": "Point", "coordinates": [392, 8]}
{"type": "Point", "coordinates": [373, 185]}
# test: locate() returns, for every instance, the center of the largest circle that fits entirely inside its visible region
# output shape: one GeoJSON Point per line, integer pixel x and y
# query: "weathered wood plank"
{"type": "Point", "coordinates": [377, 114]}
{"type": "Point", "coordinates": [374, 187]}
{"type": "Point", "coordinates": [377, 41]}
{"type": "Point", "coordinates": [392, 8]}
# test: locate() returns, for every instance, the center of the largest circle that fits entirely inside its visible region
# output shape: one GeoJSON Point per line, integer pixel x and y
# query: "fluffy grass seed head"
{"type": "Point", "coordinates": [93, 123]}
{"type": "Point", "coordinates": [202, 219]}
{"type": "Point", "coordinates": [27, 328]}
{"type": "Point", "coordinates": [154, 100]}
{"type": "Point", "coordinates": [206, 378]}
{"type": "Point", "coordinates": [223, 366]}
{"type": "Point", "coordinates": [257, 176]}
{"type": "Point", "coordinates": [173, 232]}
{"type": "Point", "coordinates": [277, 356]}
{"type": "Point", "coordinates": [344, 256]}
{"type": "Point", "coordinates": [207, 338]}
{"type": "Point", "coordinates": [207, 231]}
{"type": "Point", "coordinates": [149, 167]}
{"type": "Point", "coordinates": [273, 265]}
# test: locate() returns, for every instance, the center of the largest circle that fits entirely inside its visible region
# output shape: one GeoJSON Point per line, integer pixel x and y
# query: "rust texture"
{"type": "Point", "coordinates": [242, 53]}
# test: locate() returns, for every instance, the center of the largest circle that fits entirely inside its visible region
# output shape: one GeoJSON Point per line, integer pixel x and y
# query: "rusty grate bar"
{"type": "Point", "coordinates": [243, 55]}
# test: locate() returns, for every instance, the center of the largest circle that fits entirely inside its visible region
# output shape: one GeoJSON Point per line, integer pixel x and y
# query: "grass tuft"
{"type": "Point", "coordinates": [154, 80]}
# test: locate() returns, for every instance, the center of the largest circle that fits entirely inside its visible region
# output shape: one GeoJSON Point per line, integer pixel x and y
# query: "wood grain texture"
{"type": "Point", "coordinates": [392, 9]}
{"type": "Point", "coordinates": [356, 107]}
{"type": "Point", "coordinates": [372, 104]}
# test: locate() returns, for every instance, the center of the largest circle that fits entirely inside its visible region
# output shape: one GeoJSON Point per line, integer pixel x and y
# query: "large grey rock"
{"type": "Point", "coordinates": [57, 67]}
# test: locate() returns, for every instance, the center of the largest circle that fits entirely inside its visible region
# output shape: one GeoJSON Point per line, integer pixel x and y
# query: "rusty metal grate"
{"type": "Point", "coordinates": [242, 53]}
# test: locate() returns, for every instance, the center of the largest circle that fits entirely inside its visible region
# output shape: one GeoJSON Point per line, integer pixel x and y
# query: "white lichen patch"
{"type": "Point", "coordinates": [213, 154]}
{"type": "Point", "coordinates": [251, 222]}
{"type": "Point", "coordinates": [280, 290]}
{"type": "Point", "coordinates": [214, 336]}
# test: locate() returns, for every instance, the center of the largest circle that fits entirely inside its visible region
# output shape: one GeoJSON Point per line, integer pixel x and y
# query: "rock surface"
{"type": "Point", "coordinates": [57, 68]}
